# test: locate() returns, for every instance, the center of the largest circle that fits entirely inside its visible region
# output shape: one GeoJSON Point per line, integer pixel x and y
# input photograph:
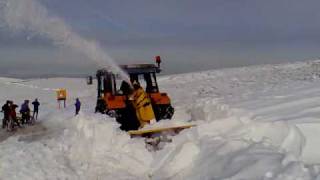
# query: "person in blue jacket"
{"type": "Point", "coordinates": [25, 112]}
{"type": "Point", "coordinates": [78, 105]}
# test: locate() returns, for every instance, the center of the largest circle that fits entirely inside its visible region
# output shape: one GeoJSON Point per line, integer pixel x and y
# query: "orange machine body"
{"type": "Point", "coordinates": [160, 98]}
{"type": "Point", "coordinates": [114, 96]}
{"type": "Point", "coordinates": [115, 101]}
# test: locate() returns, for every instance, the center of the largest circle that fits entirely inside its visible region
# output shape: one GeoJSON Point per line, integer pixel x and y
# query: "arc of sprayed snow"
{"type": "Point", "coordinates": [30, 15]}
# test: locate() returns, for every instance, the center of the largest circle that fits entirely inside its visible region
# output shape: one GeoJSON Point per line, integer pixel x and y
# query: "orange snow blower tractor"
{"type": "Point", "coordinates": [136, 104]}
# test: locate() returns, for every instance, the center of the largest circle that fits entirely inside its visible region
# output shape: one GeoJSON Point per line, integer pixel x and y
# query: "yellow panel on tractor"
{"type": "Point", "coordinates": [143, 107]}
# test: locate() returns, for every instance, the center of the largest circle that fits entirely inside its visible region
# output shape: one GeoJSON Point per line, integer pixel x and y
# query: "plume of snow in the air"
{"type": "Point", "coordinates": [31, 16]}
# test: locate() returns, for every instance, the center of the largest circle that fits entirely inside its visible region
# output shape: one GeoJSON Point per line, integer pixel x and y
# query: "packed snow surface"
{"type": "Point", "coordinates": [259, 122]}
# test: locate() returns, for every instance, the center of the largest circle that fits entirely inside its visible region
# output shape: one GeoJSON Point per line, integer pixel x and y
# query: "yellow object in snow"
{"type": "Point", "coordinates": [143, 106]}
{"type": "Point", "coordinates": [61, 94]}
{"type": "Point", "coordinates": [154, 130]}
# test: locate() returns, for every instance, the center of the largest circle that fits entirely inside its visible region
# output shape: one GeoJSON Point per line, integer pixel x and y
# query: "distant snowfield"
{"type": "Point", "coordinates": [259, 122]}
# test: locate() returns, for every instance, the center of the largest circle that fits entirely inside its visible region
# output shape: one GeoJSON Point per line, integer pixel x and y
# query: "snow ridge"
{"type": "Point", "coordinates": [252, 123]}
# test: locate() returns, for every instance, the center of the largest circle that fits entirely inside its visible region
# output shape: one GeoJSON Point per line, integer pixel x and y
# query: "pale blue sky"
{"type": "Point", "coordinates": [190, 35]}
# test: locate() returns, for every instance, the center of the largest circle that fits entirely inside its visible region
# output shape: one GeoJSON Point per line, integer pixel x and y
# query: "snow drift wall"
{"type": "Point", "coordinates": [228, 144]}
{"type": "Point", "coordinates": [80, 147]}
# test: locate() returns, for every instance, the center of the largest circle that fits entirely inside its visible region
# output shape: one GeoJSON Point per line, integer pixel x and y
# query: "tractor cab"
{"type": "Point", "coordinates": [113, 97]}
{"type": "Point", "coordinates": [144, 74]}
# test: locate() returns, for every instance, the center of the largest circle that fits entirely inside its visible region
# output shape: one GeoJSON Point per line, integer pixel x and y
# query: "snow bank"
{"type": "Point", "coordinates": [233, 147]}
{"type": "Point", "coordinates": [82, 147]}
{"type": "Point", "coordinates": [252, 123]}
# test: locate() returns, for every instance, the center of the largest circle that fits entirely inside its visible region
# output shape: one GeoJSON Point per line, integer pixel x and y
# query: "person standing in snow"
{"type": "Point", "coordinates": [78, 106]}
{"type": "Point", "coordinates": [36, 105]}
{"type": "Point", "coordinates": [6, 113]}
{"type": "Point", "coordinates": [13, 108]}
{"type": "Point", "coordinates": [25, 112]}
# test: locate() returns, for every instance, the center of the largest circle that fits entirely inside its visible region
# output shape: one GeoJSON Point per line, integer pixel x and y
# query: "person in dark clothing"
{"type": "Point", "coordinates": [78, 106]}
{"type": "Point", "coordinates": [6, 113]}
{"type": "Point", "coordinates": [36, 105]}
{"type": "Point", "coordinates": [125, 88]}
{"type": "Point", "coordinates": [25, 112]}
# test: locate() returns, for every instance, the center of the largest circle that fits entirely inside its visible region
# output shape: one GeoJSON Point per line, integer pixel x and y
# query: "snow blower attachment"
{"type": "Point", "coordinates": [136, 104]}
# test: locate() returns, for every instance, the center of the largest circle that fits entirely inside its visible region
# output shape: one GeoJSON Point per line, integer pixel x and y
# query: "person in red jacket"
{"type": "Point", "coordinates": [13, 114]}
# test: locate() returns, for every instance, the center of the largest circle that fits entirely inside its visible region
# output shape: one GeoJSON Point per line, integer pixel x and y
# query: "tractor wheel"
{"type": "Point", "coordinates": [168, 112]}
{"type": "Point", "coordinates": [163, 111]}
{"type": "Point", "coordinates": [128, 119]}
